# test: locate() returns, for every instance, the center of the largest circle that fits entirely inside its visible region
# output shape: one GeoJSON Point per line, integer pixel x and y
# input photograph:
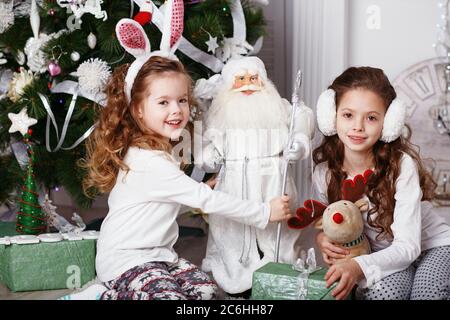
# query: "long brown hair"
{"type": "Point", "coordinates": [387, 156]}
{"type": "Point", "coordinates": [120, 128]}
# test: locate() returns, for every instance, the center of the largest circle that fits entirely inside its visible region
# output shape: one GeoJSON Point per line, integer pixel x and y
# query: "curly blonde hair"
{"type": "Point", "coordinates": [119, 126]}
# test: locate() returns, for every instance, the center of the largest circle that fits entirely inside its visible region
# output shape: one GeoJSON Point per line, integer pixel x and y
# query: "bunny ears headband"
{"type": "Point", "coordinates": [133, 39]}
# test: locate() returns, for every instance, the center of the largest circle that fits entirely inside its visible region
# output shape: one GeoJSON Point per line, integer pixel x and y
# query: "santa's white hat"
{"type": "Point", "coordinates": [241, 66]}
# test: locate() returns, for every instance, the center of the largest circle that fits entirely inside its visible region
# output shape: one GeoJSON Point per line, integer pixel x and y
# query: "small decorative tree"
{"type": "Point", "coordinates": [30, 218]}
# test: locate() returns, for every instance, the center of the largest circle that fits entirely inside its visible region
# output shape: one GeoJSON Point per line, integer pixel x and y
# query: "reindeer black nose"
{"type": "Point", "coordinates": [338, 218]}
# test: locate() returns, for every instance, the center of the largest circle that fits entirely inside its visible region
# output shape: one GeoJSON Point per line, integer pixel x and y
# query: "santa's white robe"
{"type": "Point", "coordinates": [251, 164]}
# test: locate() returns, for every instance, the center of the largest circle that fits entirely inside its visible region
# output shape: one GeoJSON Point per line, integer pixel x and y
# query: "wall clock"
{"type": "Point", "coordinates": [423, 88]}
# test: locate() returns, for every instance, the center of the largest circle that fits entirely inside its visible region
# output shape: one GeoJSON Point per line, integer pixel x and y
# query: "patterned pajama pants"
{"type": "Point", "coordinates": [162, 281]}
{"type": "Point", "coordinates": [428, 278]}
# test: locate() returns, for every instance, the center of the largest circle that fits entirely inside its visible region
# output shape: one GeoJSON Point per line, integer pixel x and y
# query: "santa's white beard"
{"type": "Point", "coordinates": [262, 109]}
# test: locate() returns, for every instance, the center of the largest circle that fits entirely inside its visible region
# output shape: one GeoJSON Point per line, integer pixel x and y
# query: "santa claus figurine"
{"type": "Point", "coordinates": [245, 137]}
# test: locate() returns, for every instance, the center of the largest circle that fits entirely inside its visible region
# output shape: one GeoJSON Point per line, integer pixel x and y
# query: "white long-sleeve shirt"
{"type": "Point", "coordinates": [415, 226]}
{"type": "Point", "coordinates": [143, 206]}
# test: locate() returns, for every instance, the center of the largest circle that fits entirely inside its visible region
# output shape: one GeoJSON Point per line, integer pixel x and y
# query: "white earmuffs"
{"type": "Point", "coordinates": [393, 124]}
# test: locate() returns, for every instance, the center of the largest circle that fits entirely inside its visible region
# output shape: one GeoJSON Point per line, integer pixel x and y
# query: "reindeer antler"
{"type": "Point", "coordinates": [353, 190]}
{"type": "Point", "coordinates": [306, 215]}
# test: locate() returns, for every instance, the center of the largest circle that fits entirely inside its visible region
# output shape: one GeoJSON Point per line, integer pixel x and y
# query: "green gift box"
{"type": "Point", "coordinates": [46, 265]}
{"type": "Point", "coordinates": [279, 281]}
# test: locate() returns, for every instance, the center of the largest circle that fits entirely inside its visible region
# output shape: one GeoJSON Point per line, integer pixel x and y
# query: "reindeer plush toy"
{"type": "Point", "coordinates": [341, 221]}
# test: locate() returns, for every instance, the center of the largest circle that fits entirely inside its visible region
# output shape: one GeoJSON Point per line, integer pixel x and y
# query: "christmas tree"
{"type": "Point", "coordinates": [56, 57]}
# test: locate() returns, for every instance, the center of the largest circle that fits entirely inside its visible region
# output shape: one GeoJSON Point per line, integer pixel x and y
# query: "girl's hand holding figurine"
{"type": "Point", "coordinates": [279, 209]}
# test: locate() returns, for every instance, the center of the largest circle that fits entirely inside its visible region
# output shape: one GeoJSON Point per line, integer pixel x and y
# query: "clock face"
{"type": "Point", "coordinates": [422, 88]}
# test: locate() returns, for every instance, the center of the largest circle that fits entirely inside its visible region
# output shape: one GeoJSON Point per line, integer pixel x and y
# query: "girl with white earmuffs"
{"type": "Point", "coordinates": [363, 120]}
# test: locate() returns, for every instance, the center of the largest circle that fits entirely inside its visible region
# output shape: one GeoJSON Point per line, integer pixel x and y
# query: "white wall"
{"type": "Point", "coordinates": [327, 36]}
{"type": "Point", "coordinates": [404, 35]}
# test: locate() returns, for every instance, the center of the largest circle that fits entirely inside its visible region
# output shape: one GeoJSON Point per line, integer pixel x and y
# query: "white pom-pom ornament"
{"type": "Point", "coordinates": [93, 74]}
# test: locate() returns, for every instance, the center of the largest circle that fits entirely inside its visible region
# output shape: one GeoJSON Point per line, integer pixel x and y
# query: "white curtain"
{"type": "Point", "coordinates": [318, 33]}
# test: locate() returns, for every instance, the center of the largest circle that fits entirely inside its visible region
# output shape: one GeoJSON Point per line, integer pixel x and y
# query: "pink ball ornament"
{"type": "Point", "coordinates": [54, 68]}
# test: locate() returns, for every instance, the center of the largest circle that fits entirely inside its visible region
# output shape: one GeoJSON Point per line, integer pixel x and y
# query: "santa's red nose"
{"type": "Point", "coordinates": [338, 218]}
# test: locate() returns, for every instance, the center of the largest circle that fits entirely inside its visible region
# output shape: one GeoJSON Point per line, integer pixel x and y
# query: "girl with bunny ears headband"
{"type": "Point", "coordinates": [128, 155]}
{"type": "Point", "coordinates": [121, 124]}
{"type": "Point", "coordinates": [362, 119]}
